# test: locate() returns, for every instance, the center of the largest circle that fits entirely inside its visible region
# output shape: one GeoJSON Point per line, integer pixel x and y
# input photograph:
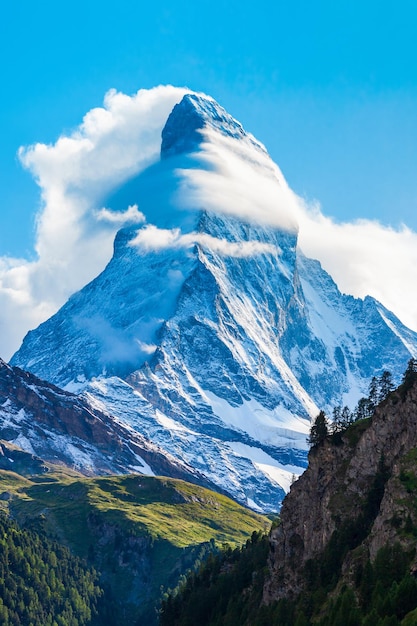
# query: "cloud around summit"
{"type": "Point", "coordinates": [75, 232]}
{"type": "Point", "coordinates": [365, 257]}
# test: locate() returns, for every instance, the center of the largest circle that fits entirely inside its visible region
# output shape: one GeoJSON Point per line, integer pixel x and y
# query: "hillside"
{"type": "Point", "coordinates": [42, 583]}
{"type": "Point", "coordinates": [139, 533]}
{"type": "Point", "coordinates": [344, 552]}
{"type": "Point", "coordinates": [62, 428]}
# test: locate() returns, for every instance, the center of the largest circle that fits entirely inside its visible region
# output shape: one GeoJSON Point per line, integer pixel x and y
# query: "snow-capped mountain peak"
{"type": "Point", "coordinates": [209, 331]}
{"type": "Point", "coordinates": [184, 129]}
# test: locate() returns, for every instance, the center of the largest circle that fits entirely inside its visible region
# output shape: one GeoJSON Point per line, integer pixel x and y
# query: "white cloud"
{"type": "Point", "coordinates": [75, 232]}
{"type": "Point", "coordinates": [365, 258]}
{"type": "Point", "coordinates": [153, 238]}
{"type": "Point", "coordinates": [131, 216]}
{"type": "Point", "coordinates": [238, 179]}
{"type": "Point", "coordinates": [74, 237]}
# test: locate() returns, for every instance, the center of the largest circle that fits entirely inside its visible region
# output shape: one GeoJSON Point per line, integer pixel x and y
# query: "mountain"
{"type": "Point", "coordinates": [344, 551]}
{"type": "Point", "coordinates": [46, 424]}
{"type": "Point", "coordinates": [209, 332]}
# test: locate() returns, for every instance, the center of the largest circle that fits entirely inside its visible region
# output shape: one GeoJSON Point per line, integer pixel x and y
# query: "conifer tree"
{"type": "Point", "coordinates": [385, 385]}
{"type": "Point", "coordinates": [319, 430]}
{"type": "Point", "coordinates": [373, 392]}
{"type": "Point", "coordinates": [337, 425]}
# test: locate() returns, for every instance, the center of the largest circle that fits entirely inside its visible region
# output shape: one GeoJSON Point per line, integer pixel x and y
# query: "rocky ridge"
{"type": "Point", "coordinates": [61, 428]}
{"type": "Point", "coordinates": [364, 479]}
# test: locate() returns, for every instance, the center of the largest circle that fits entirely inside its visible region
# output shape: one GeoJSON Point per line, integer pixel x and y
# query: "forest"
{"type": "Point", "coordinates": [42, 583]}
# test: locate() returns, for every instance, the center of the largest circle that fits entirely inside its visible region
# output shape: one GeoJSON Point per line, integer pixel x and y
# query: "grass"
{"type": "Point", "coordinates": [141, 532]}
{"type": "Point", "coordinates": [354, 432]}
{"type": "Point", "coordinates": [168, 509]}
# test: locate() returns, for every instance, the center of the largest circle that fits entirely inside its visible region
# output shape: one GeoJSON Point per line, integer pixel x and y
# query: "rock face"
{"type": "Point", "coordinates": [209, 331]}
{"type": "Point", "coordinates": [364, 475]}
{"type": "Point", "coordinates": [62, 428]}
{"type": "Point", "coordinates": [13, 459]}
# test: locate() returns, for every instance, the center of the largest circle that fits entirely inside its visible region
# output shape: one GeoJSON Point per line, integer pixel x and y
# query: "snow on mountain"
{"type": "Point", "coordinates": [62, 428]}
{"type": "Point", "coordinates": [209, 332]}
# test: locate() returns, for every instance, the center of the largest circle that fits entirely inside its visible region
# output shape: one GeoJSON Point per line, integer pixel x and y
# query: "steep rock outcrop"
{"type": "Point", "coordinates": [360, 480]}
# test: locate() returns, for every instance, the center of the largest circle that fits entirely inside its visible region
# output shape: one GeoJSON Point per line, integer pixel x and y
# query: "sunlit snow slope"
{"type": "Point", "coordinates": [209, 331]}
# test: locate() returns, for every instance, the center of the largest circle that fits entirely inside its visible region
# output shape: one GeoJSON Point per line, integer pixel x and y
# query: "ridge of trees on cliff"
{"type": "Point", "coordinates": [382, 591]}
{"type": "Point", "coordinates": [380, 388]}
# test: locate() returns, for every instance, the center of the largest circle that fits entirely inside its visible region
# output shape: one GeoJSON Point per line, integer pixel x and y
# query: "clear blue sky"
{"type": "Point", "coordinates": [329, 87]}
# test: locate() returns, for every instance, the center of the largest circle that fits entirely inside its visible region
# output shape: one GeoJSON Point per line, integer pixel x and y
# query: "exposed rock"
{"type": "Point", "coordinates": [365, 475]}
{"type": "Point", "coordinates": [50, 424]}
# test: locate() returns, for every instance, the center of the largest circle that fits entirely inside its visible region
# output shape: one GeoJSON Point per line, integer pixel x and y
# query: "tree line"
{"type": "Point", "coordinates": [342, 417]}
{"type": "Point", "coordinates": [42, 583]}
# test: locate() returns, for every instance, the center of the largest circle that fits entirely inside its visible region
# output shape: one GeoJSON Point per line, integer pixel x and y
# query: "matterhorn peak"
{"type": "Point", "coordinates": [208, 163]}
{"type": "Point", "coordinates": [209, 332]}
{"type": "Point", "coordinates": [183, 131]}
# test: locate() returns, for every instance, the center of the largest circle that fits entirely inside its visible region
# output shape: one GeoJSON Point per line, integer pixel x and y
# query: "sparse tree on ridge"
{"type": "Point", "coordinates": [337, 425]}
{"type": "Point", "coordinates": [364, 409]}
{"type": "Point", "coordinates": [411, 371]}
{"type": "Point", "coordinates": [319, 430]}
{"type": "Point", "coordinates": [373, 393]}
{"type": "Point", "coordinates": [409, 376]}
{"type": "Point", "coordinates": [347, 416]}
{"type": "Point", "coordinates": [385, 385]}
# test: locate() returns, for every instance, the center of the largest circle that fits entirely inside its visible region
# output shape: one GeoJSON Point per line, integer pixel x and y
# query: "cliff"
{"type": "Point", "coordinates": [357, 496]}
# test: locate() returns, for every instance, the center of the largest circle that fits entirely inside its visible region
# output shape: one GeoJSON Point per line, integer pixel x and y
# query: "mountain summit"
{"type": "Point", "coordinates": [189, 119]}
{"type": "Point", "coordinates": [209, 331]}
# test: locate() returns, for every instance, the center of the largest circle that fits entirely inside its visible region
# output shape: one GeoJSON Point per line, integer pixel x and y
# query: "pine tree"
{"type": "Point", "coordinates": [385, 385]}
{"type": "Point", "coordinates": [319, 430]}
{"type": "Point", "coordinates": [364, 409]}
{"type": "Point", "coordinates": [411, 371]}
{"type": "Point", "coordinates": [337, 426]}
{"type": "Point", "coordinates": [373, 392]}
{"type": "Point", "coordinates": [347, 417]}
{"type": "Point", "coordinates": [409, 377]}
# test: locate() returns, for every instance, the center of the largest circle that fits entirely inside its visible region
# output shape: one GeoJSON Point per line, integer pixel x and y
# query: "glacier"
{"type": "Point", "coordinates": [209, 332]}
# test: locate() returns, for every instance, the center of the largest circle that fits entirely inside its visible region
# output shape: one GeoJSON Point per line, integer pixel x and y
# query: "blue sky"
{"type": "Point", "coordinates": [330, 88]}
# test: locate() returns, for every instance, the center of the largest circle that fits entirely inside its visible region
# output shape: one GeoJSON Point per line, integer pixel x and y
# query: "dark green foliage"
{"type": "Point", "coordinates": [385, 385]}
{"type": "Point", "coordinates": [364, 409]}
{"type": "Point", "coordinates": [344, 611]}
{"type": "Point", "coordinates": [373, 394]}
{"type": "Point", "coordinates": [140, 533]}
{"type": "Point", "coordinates": [343, 418]}
{"type": "Point", "coordinates": [226, 591]}
{"type": "Point", "coordinates": [409, 480]}
{"type": "Point", "coordinates": [409, 378]}
{"type": "Point", "coordinates": [379, 389]}
{"type": "Point", "coordinates": [319, 430]}
{"type": "Point", "coordinates": [41, 583]}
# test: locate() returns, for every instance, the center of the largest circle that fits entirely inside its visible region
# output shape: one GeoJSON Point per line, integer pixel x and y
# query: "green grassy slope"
{"type": "Point", "coordinates": [139, 532]}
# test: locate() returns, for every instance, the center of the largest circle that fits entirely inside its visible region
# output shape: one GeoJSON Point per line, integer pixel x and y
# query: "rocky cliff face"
{"type": "Point", "coordinates": [364, 480]}
{"type": "Point", "coordinates": [56, 426]}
